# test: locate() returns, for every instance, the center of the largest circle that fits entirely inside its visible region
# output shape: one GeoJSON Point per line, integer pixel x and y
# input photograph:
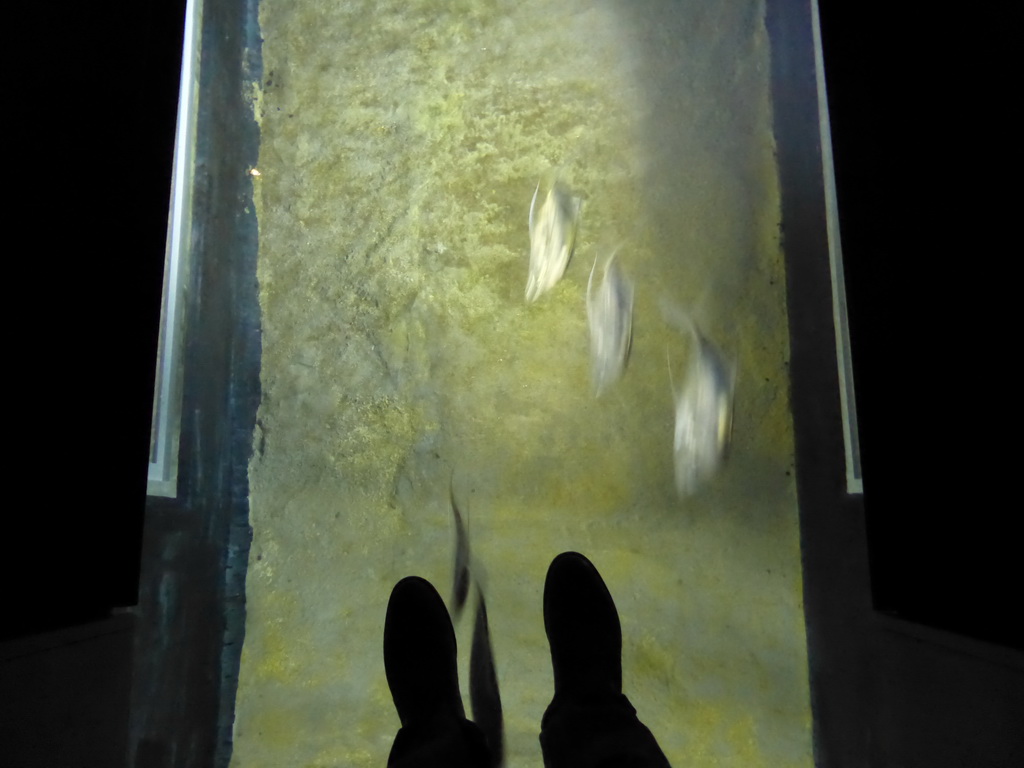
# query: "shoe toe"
{"type": "Point", "coordinates": [420, 653]}
{"type": "Point", "coordinates": [583, 628]}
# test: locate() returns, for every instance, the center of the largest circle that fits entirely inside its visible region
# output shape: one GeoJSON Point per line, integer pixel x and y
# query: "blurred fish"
{"type": "Point", "coordinates": [460, 587]}
{"type": "Point", "coordinates": [703, 411]}
{"type": "Point", "coordinates": [610, 317]}
{"type": "Point", "coordinates": [483, 686]}
{"type": "Point", "coordinates": [552, 237]}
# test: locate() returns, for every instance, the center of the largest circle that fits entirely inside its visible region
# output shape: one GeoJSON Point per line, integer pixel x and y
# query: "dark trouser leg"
{"type": "Point", "coordinates": [450, 744]}
{"type": "Point", "coordinates": [597, 735]}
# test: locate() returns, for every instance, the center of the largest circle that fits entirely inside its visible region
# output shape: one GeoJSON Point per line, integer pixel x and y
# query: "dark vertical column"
{"type": "Point", "coordinates": [191, 608]}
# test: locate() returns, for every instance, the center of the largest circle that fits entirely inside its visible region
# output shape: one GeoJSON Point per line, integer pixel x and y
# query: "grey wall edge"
{"type": "Point", "coordinates": [191, 612]}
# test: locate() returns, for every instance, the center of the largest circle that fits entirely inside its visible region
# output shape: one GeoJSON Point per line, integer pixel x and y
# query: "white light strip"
{"type": "Point", "coordinates": [848, 405]}
{"type": "Point", "coordinates": [163, 466]}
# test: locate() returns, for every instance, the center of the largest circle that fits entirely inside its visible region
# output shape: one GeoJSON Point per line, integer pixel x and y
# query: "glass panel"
{"type": "Point", "coordinates": [403, 145]}
{"type": "Point", "coordinates": [840, 319]}
{"type": "Point", "coordinates": [166, 428]}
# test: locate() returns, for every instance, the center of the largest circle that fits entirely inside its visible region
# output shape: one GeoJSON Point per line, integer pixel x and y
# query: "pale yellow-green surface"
{"type": "Point", "coordinates": [401, 143]}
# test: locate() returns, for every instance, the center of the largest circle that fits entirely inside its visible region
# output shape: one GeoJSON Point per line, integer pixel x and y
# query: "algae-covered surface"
{"type": "Point", "coordinates": [401, 144]}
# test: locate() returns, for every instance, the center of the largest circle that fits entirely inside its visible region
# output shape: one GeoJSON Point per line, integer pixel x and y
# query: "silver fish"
{"type": "Point", "coordinates": [610, 317]}
{"type": "Point", "coordinates": [704, 409]}
{"type": "Point", "coordinates": [552, 237]}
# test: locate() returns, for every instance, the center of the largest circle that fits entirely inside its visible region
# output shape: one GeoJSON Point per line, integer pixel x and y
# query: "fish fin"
{"type": "Point", "coordinates": [671, 381]}
{"type": "Point", "coordinates": [607, 264]}
{"type": "Point", "coordinates": [576, 204]}
{"type": "Point", "coordinates": [460, 579]}
{"type": "Point", "coordinates": [577, 210]}
{"type": "Point", "coordinates": [533, 203]}
{"type": "Point", "coordinates": [590, 282]}
{"type": "Point", "coordinates": [624, 277]}
{"type": "Point", "coordinates": [678, 318]}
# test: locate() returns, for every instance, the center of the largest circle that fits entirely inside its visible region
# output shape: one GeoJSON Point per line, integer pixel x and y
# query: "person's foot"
{"type": "Point", "coordinates": [589, 723]}
{"type": "Point", "coordinates": [583, 629]}
{"type": "Point", "coordinates": [420, 664]}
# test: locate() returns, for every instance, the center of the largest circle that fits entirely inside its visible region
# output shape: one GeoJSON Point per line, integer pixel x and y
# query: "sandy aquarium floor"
{"type": "Point", "coordinates": [401, 144]}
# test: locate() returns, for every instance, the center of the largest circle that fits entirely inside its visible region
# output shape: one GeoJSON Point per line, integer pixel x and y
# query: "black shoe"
{"type": "Point", "coordinates": [420, 664]}
{"type": "Point", "coordinates": [589, 723]}
{"type": "Point", "coordinates": [583, 629]}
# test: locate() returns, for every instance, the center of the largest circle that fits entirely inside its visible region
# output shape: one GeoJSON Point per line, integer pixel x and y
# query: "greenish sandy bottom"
{"type": "Point", "coordinates": [401, 143]}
